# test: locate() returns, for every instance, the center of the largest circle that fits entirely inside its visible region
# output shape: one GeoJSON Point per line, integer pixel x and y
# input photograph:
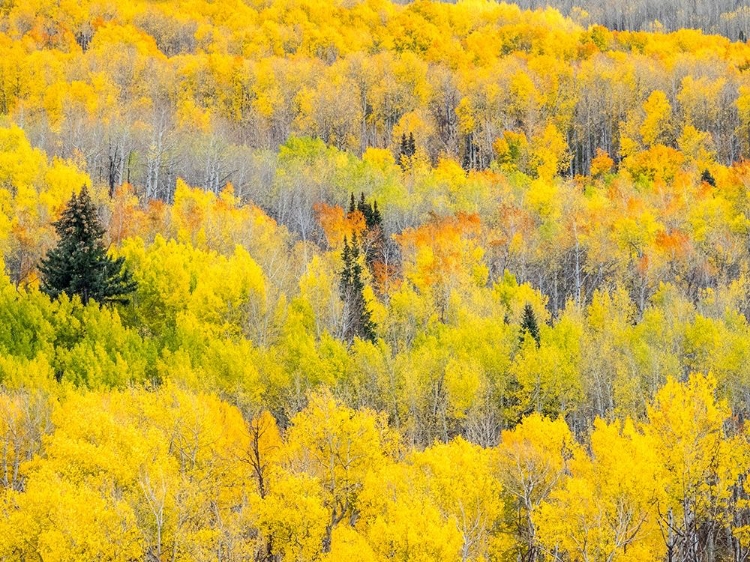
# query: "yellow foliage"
{"type": "Point", "coordinates": [656, 123]}
{"type": "Point", "coordinates": [602, 164]}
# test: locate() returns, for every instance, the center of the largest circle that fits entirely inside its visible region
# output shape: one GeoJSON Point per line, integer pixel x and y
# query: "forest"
{"type": "Point", "coordinates": [319, 280]}
{"type": "Point", "coordinates": [727, 17]}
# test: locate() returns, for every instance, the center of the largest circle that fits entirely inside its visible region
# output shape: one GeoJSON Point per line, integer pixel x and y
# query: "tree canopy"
{"type": "Point", "coordinates": [432, 281]}
{"type": "Point", "coordinates": [79, 264]}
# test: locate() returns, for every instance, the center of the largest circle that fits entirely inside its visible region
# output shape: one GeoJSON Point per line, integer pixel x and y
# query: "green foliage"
{"type": "Point", "coordinates": [79, 265]}
{"type": "Point", "coordinates": [529, 326]}
{"type": "Point", "coordinates": [523, 336]}
{"type": "Point", "coordinates": [357, 316]}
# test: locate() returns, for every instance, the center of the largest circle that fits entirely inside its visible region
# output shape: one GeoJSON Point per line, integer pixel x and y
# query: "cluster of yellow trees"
{"type": "Point", "coordinates": [527, 170]}
{"type": "Point", "coordinates": [168, 474]}
{"type": "Point", "coordinates": [147, 91]}
{"type": "Point", "coordinates": [219, 415]}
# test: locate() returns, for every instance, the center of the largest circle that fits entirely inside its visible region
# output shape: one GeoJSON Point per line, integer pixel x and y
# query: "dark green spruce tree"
{"type": "Point", "coordinates": [407, 149]}
{"type": "Point", "coordinates": [411, 145]}
{"type": "Point", "coordinates": [366, 209]}
{"type": "Point", "coordinates": [79, 264]}
{"type": "Point", "coordinates": [707, 177]}
{"type": "Point", "coordinates": [529, 325]}
{"type": "Point", "coordinates": [357, 318]}
{"type": "Point", "coordinates": [403, 149]}
{"type": "Point", "coordinates": [373, 242]}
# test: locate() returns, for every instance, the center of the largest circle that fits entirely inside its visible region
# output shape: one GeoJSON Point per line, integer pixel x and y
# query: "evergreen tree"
{"type": "Point", "coordinates": [357, 317]}
{"type": "Point", "coordinates": [79, 264]}
{"type": "Point", "coordinates": [366, 210]}
{"type": "Point", "coordinates": [403, 157]}
{"type": "Point", "coordinates": [375, 237]}
{"type": "Point", "coordinates": [407, 149]}
{"type": "Point", "coordinates": [707, 177]}
{"type": "Point", "coordinates": [529, 325]}
{"type": "Point", "coordinates": [373, 242]}
{"type": "Point", "coordinates": [404, 147]}
{"type": "Point", "coordinates": [346, 272]}
{"type": "Point", "coordinates": [376, 218]}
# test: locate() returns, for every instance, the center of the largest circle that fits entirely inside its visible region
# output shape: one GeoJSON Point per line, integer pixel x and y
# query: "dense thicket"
{"type": "Point", "coordinates": [425, 282]}
{"type": "Point", "coordinates": [147, 92]}
{"type": "Point", "coordinates": [728, 17]}
{"type": "Point", "coordinates": [247, 414]}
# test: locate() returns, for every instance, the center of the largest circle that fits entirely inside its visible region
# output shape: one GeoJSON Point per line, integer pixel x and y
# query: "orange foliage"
{"type": "Point", "coordinates": [602, 164]}
{"type": "Point", "coordinates": [336, 224]}
{"type": "Point", "coordinates": [127, 216]}
{"type": "Point", "coordinates": [443, 250]}
{"type": "Point", "coordinates": [675, 244]}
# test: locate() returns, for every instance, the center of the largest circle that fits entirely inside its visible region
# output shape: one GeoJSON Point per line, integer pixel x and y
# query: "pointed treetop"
{"type": "Point", "coordinates": [79, 264]}
{"type": "Point", "coordinates": [529, 325]}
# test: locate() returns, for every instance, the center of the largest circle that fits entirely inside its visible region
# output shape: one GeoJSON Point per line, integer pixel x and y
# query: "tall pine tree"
{"type": "Point", "coordinates": [357, 317]}
{"type": "Point", "coordinates": [366, 209]}
{"type": "Point", "coordinates": [79, 264]}
{"type": "Point", "coordinates": [407, 150]}
{"type": "Point", "coordinates": [374, 241]}
{"type": "Point", "coordinates": [529, 325]}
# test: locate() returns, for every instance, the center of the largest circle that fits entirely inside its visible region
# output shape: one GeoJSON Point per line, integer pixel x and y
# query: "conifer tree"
{"type": "Point", "coordinates": [374, 239]}
{"type": "Point", "coordinates": [366, 210]}
{"type": "Point", "coordinates": [407, 150]}
{"type": "Point", "coordinates": [377, 219]}
{"type": "Point", "coordinates": [707, 177]}
{"type": "Point", "coordinates": [529, 325]}
{"type": "Point", "coordinates": [79, 264]}
{"type": "Point", "coordinates": [357, 317]}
